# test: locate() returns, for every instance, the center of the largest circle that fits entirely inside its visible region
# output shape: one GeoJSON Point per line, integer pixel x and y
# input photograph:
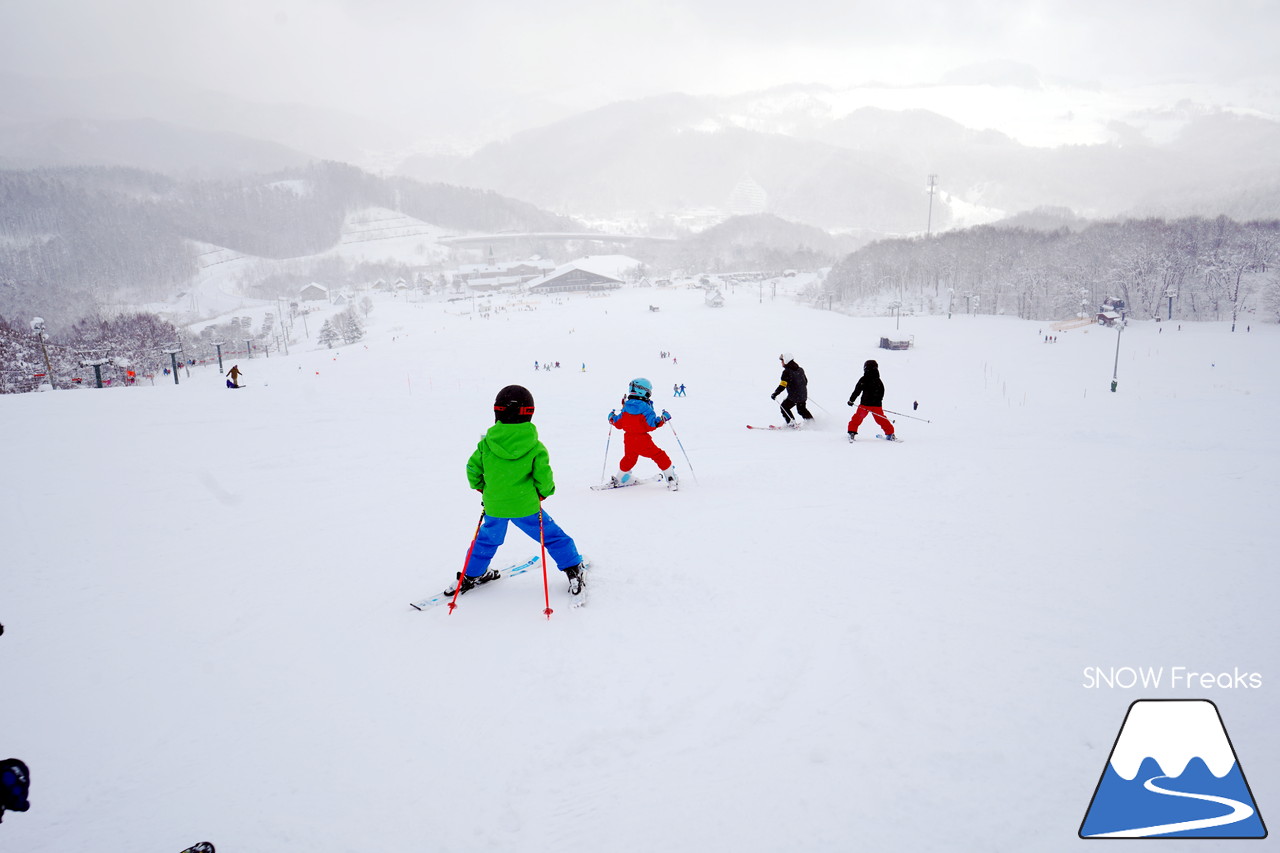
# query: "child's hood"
{"type": "Point", "coordinates": [511, 441]}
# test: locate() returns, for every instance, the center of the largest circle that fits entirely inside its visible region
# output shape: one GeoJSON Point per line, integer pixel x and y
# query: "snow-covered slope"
{"type": "Point", "coordinates": [811, 646]}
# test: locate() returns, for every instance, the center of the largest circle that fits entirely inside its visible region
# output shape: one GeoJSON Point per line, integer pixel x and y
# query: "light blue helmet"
{"type": "Point", "coordinates": [641, 388]}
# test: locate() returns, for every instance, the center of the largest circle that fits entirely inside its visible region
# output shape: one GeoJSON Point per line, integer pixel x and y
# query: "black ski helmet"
{"type": "Point", "coordinates": [870, 364]}
{"type": "Point", "coordinates": [513, 405]}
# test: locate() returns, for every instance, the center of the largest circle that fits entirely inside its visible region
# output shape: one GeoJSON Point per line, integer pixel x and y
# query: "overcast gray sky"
{"type": "Point", "coordinates": [383, 57]}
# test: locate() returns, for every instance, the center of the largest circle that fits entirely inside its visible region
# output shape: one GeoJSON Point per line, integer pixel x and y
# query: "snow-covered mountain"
{"type": "Point", "coordinates": [860, 158]}
{"type": "Point", "coordinates": [1002, 139]}
{"type": "Point", "coordinates": [144, 143]}
{"type": "Point", "coordinates": [117, 105]}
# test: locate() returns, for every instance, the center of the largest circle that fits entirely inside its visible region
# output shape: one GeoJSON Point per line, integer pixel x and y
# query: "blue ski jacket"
{"type": "Point", "coordinates": [636, 409]}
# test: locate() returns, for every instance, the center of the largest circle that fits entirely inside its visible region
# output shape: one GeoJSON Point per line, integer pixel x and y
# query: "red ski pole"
{"type": "Point", "coordinates": [542, 543]}
{"type": "Point", "coordinates": [458, 589]}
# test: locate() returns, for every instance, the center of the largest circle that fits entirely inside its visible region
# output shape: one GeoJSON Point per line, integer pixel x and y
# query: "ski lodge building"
{"type": "Point", "coordinates": [592, 273]}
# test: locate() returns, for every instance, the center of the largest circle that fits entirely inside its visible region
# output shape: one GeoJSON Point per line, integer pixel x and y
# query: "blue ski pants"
{"type": "Point", "coordinates": [493, 531]}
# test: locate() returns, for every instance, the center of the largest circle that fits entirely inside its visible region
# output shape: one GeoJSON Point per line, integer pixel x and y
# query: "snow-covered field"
{"type": "Point", "coordinates": [812, 646]}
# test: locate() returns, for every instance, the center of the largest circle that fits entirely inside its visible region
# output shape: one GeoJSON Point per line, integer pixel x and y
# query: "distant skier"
{"type": "Point", "coordinates": [872, 390]}
{"type": "Point", "coordinates": [636, 421]}
{"type": "Point", "coordinates": [234, 373]}
{"type": "Point", "coordinates": [796, 385]}
{"type": "Point", "coordinates": [512, 469]}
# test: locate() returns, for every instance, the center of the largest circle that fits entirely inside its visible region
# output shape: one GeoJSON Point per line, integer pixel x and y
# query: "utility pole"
{"type": "Point", "coordinates": [37, 326]}
{"type": "Point", "coordinates": [933, 186]}
{"type": "Point", "coordinates": [220, 345]}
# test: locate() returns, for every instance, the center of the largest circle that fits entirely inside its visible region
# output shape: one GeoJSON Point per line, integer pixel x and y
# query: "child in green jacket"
{"type": "Point", "coordinates": [511, 468]}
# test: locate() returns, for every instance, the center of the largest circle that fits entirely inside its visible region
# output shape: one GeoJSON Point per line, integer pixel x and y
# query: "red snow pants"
{"type": "Point", "coordinates": [876, 412]}
{"type": "Point", "coordinates": [637, 444]}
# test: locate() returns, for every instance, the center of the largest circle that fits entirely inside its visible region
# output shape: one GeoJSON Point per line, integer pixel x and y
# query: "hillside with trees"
{"type": "Point", "coordinates": [75, 240]}
{"type": "Point", "coordinates": [30, 358]}
{"type": "Point", "coordinates": [1215, 269]}
{"type": "Point", "coordinates": [757, 242]}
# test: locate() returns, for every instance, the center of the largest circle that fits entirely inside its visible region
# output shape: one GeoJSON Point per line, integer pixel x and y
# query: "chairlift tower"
{"type": "Point", "coordinates": [172, 351]}
{"type": "Point", "coordinates": [933, 187]}
{"type": "Point", "coordinates": [96, 364]}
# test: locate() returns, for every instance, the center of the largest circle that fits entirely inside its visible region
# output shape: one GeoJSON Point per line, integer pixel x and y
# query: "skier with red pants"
{"type": "Point", "coordinates": [872, 391]}
{"type": "Point", "coordinates": [636, 421]}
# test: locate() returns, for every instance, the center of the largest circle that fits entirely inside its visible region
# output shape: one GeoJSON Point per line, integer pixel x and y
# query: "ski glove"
{"type": "Point", "coordinates": [850, 403]}
{"type": "Point", "coordinates": [773, 396]}
{"type": "Point", "coordinates": [613, 415]}
{"type": "Point", "coordinates": [666, 416]}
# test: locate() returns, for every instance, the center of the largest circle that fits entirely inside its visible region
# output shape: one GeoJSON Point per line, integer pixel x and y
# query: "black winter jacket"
{"type": "Point", "coordinates": [794, 382]}
{"type": "Point", "coordinates": [870, 387]}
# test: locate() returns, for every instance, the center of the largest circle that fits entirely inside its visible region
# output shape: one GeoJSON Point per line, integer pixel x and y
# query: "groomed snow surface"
{"type": "Point", "coordinates": [812, 646]}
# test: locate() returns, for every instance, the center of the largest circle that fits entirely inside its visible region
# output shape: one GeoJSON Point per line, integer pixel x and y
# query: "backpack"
{"type": "Point", "coordinates": [15, 782]}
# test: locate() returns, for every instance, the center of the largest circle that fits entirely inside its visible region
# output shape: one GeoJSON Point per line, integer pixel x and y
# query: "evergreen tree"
{"type": "Point", "coordinates": [349, 325]}
{"type": "Point", "coordinates": [327, 335]}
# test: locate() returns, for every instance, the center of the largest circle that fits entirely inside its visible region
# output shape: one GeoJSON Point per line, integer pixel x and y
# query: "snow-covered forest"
{"type": "Point", "coordinates": [1192, 269]}
{"type": "Point", "coordinates": [124, 343]}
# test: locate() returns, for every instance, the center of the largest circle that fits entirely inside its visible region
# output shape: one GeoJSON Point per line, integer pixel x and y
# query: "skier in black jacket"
{"type": "Point", "coordinates": [872, 391]}
{"type": "Point", "coordinates": [796, 384]}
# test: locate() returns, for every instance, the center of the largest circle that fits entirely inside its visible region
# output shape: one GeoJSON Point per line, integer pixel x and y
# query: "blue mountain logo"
{"type": "Point", "coordinates": [1173, 773]}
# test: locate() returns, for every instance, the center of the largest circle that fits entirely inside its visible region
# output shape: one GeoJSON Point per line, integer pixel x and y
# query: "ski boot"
{"type": "Point", "coordinates": [853, 436]}
{"type": "Point", "coordinates": [669, 477]}
{"type": "Point", "coordinates": [469, 583]}
{"type": "Point", "coordinates": [576, 580]}
{"type": "Point", "coordinates": [891, 437]}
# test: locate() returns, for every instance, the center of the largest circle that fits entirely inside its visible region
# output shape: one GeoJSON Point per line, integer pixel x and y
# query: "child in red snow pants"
{"type": "Point", "coordinates": [636, 444]}
{"type": "Point", "coordinates": [875, 412]}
